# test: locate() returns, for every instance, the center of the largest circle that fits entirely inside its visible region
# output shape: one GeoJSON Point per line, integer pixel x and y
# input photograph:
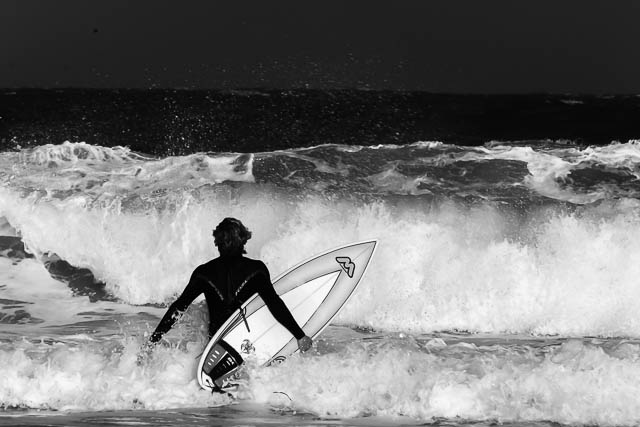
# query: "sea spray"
{"type": "Point", "coordinates": [534, 242]}
{"type": "Point", "coordinates": [98, 376]}
{"type": "Point", "coordinates": [576, 382]}
{"type": "Point", "coordinates": [442, 264]}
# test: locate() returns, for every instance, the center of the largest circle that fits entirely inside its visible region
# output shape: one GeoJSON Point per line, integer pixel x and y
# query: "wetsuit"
{"type": "Point", "coordinates": [227, 282]}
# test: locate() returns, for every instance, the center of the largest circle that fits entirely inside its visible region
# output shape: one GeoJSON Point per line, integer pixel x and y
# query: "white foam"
{"type": "Point", "coordinates": [96, 173]}
{"type": "Point", "coordinates": [437, 267]}
{"type": "Point", "coordinates": [6, 229]}
{"type": "Point", "coordinates": [99, 376]}
{"type": "Point", "coordinates": [448, 268]}
{"type": "Point", "coordinates": [572, 384]}
{"type": "Point", "coordinates": [549, 167]}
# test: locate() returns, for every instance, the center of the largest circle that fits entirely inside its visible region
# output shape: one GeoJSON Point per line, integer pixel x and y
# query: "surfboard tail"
{"type": "Point", "coordinates": [221, 363]}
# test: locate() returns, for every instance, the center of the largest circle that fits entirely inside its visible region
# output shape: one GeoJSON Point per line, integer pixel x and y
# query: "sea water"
{"type": "Point", "coordinates": [504, 287]}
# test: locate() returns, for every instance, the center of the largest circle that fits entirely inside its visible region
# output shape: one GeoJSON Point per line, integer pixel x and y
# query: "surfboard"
{"type": "Point", "coordinates": [314, 290]}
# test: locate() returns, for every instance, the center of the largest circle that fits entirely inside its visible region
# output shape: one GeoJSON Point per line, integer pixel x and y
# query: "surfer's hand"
{"type": "Point", "coordinates": [304, 344]}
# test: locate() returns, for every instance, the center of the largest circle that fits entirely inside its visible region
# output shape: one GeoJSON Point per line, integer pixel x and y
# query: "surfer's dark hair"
{"type": "Point", "coordinates": [230, 236]}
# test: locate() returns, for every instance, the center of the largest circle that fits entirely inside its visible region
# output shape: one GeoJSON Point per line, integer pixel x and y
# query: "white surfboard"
{"type": "Point", "coordinates": [314, 291]}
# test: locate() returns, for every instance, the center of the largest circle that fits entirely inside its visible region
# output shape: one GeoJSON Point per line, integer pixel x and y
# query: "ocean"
{"type": "Point", "coordinates": [504, 289]}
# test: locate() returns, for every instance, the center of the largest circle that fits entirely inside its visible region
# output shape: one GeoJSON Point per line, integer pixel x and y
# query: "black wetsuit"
{"type": "Point", "coordinates": [227, 282]}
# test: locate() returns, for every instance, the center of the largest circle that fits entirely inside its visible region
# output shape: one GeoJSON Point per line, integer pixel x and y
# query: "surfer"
{"type": "Point", "coordinates": [227, 282]}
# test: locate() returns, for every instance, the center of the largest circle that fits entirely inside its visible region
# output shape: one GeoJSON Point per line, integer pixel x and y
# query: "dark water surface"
{"type": "Point", "coordinates": [176, 122]}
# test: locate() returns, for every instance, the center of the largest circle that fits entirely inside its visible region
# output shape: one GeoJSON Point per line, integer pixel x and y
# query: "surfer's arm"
{"type": "Point", "coordinates": [277, 307]}
{"type": "Point", "coordinates": [175, 310]}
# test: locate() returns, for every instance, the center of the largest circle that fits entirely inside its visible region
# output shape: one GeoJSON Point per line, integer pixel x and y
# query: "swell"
{"type": "Point", "coordinates": [511, 174]}
{"type": "Point", "coordinates": [439, 266]}
{"type": "Point", "coordinates": [469, 258]}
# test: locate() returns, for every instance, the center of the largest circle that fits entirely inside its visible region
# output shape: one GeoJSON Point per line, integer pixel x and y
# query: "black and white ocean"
{"type": "Point", "coordinates": [505, 286]}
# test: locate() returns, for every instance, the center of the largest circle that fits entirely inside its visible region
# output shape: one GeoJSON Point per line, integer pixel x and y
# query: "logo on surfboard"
{"type": "Point", "coordinates": [246, 347]}
{"type": "Point", "coordinates": [347, 265]}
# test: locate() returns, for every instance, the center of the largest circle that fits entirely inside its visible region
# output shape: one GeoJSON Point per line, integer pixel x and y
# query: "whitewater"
{"type": "Point", "coordinates": [504, 287]}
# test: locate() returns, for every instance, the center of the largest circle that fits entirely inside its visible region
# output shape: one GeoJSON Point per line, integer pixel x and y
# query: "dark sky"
{"type": "Point", "coordinates": [476, 46]}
